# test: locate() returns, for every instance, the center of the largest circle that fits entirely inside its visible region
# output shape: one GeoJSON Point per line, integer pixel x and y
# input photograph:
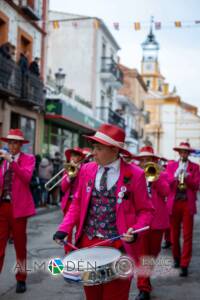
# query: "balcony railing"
{"type": "Point", "coordinates": [10, 77]}
{"type": "Point", "coordinates": [26, 88]}
{"type": "Point", "coordinates": [33, 90]}
{"type": "Point", "coordinates": [30, 10]}
{"type": "Point", "coordinates": [108, 65]}
{"type": "Point", "coordinates": [108, 115]}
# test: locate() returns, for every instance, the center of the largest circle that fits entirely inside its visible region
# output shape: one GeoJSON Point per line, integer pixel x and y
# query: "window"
{"type": "Point", "coordinates": [104, 49]}
{"type": "Point", "coordinates": [58, 139]}
{"type": "Point", "coordinates": [31, 3]}
{"type": "Point", "coordinates": [27, 125]}
{"type": "Point", "coordinates": [148, 82]}
{"type": "Point", "coordinates": [25, 44]}
{"type": "Point", "coordinates": [4, 20]}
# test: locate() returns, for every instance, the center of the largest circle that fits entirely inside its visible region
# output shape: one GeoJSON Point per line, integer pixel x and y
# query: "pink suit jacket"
{"type": "Point", "coordinates": [160, 190]}
{"type": "Point", "coordinates": [135, 211]}
{"type": "Point", "coordinates": [192, 182]}
{"type": "Point", "coordinates": [22, 200]}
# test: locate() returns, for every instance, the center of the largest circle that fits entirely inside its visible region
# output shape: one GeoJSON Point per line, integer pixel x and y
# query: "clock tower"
{"type": "Point", "coordinates": [150, 66]}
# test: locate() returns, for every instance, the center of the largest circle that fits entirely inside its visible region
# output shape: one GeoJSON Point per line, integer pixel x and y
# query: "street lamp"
{"type": "Point", "coordinates": [60, 79]}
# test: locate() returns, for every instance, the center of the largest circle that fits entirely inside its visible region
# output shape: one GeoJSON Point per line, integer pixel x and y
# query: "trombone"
{"type": "Point", "coordinates": [71, 170]}
{"type": "Point", "coordinates": [152, 171]}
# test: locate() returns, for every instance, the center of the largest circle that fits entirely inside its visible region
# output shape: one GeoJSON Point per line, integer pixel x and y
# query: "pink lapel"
{"type": "Point", "coordinates": [120, 182]}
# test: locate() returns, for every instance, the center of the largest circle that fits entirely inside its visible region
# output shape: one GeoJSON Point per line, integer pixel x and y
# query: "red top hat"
{"type": "Point", "coordinates": [77, 150]}
{"type": "Point", "coordinates": [110, 135]}
{"type": "Point", "coordinates": [183, 146]}
{"type": "Point", "coordinates": [146, 151]}
{"type": "Point", "coordinates": [15, 134]}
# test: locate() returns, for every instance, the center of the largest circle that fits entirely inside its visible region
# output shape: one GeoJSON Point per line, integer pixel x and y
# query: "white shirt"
{"type": "Point", "coordinates": [16, 156]}
{"type": "Point", "coordinates": [112, 175]}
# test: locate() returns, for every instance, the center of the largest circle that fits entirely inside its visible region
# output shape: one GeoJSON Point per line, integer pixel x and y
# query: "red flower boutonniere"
{"type": "Point", "coordinates": [127, 177]}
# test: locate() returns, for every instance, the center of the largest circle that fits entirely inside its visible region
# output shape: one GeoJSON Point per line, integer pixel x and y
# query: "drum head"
{"type": "Point", "coordinates": [97, 257]}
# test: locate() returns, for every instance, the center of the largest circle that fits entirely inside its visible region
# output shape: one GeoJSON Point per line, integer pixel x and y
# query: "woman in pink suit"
{"type": "Point", "coordinates": [69, 184]}
{"type": "Point", "coordinates": [16, 202]}
{"type": "Point", "coordinates": [111, 199]}
{"type": "Point", "coordinates": [150, 243]}
{"type": "Point", "coordinates": [184, 179]}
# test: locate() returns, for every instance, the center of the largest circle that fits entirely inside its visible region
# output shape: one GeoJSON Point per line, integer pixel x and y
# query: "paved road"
{"type": "Point", "coordinates": [43, 286]}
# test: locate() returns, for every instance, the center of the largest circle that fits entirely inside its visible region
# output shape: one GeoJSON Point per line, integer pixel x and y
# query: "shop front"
{"type": "Point", "coordinates": [65, 126]}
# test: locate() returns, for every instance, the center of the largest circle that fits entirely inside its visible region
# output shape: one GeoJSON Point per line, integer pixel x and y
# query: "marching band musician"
{"type": "Point", "coordinates": [69, 183]}
{"type": "Point", "coordinates": [150, 242]}
{"type": "Point", "coordinates": [16, 202]}
{"type": "Point", "coordinates": [111, 200]}
{"type": "Point", "coordinates": [184, 179]}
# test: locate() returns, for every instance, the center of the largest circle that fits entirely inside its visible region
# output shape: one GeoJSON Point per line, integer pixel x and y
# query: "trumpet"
{"type": "Point", "coordinates": [181, 178]}
{"type": "Point", "coordinates": [152, 171]}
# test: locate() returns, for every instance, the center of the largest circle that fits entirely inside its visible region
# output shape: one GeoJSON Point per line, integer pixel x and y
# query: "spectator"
{"type": "Point", "coordinates": [23, 63]}
{"type": "Point", "coordinates": [57, 166]}
{"type": "Point", "coordinates": [5, 50]}
{"type": "Point", "coordinates": [34, 67]}
{"type": "Point", "coordinates": [35, 183]}
{"type": "Point", "coordinates": [45, 173]}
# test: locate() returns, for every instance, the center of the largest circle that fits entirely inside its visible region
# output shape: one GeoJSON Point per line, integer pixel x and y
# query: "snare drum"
{"type": "Point", "coordinates": [91, 266]}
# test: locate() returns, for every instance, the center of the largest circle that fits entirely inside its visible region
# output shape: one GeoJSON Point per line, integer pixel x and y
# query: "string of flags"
{"type": "Point", "coordinates": [157, 25]}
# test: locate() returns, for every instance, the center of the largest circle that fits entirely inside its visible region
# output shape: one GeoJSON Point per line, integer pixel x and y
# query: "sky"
{"type": "Point", "coordinates": [179, 54]}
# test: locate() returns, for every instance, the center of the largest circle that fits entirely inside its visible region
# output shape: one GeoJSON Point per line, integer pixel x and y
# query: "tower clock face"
{"type": "Point", "coordinates": [148, 67]}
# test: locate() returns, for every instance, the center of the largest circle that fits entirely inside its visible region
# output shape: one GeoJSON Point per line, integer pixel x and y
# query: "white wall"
{"type": "Point", "coordinates": [178, 125]}
{"type": "Point", "coordinates": [78, 50]}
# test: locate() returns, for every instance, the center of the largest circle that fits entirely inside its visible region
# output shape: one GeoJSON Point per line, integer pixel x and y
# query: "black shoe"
{"type": "Point", "coordinates": [143, 296]}
{"type": "Point", "coordinates": [176, 263]}
{"type": "Point", "coordinates": [183, 272]}
{"type": "Point", "coordinates": [21, 287]}
{"type": "Point", "coordinates": [166, 245]}
{"type": "Point", "coordinates": [11, 241]}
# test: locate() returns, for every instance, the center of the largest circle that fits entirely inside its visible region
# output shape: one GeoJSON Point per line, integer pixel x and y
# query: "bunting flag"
{"type": "Point", "coordinates": [137, 25]}
{"type": "Point", "coordinates": [157, 25]}
{"type": "Point", "coordinates": [178, 24]}
{"type": "Point", "coordinates": [96, 24]}
{"type": "Point", "coordinates": [56, 24]}
{"type": "Point", "coordinates": [116, 25]}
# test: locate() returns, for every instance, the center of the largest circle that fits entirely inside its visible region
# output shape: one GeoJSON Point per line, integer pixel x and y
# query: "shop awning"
{"type": "Point", "coordinates": [64, 114]}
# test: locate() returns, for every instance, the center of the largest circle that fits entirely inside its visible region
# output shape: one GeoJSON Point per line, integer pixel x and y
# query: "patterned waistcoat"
{"type": "Point", "coordinates": [101, 218]}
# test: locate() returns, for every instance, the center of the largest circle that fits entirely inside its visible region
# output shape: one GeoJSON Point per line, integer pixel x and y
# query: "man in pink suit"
{"type": "Point", "coordinates": [111, 199]}
{"type": "Point", "coordinates": [150, 243]}
{"type": "Point", "coordinates": [69, 184]}
{"type": "Point", "coordinates": [184, 179]}
{"type": "Point", "coordinates": [16, 202]}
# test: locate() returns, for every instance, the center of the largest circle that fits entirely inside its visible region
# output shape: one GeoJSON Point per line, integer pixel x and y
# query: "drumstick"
{"type": "Point", "coordinates": [119, 236]}
{"type": "Point", "coordinates": [70, 245]}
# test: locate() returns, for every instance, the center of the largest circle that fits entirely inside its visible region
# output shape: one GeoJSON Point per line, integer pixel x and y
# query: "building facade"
{"type": "Point", "coordinates": [170, 119]}
{"type": "Point", "coordinates": [22, 38]}
{"type": "Point", "coordinates": [87, 52]}
{"type": "Point", "coordinates": [132, 96]}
